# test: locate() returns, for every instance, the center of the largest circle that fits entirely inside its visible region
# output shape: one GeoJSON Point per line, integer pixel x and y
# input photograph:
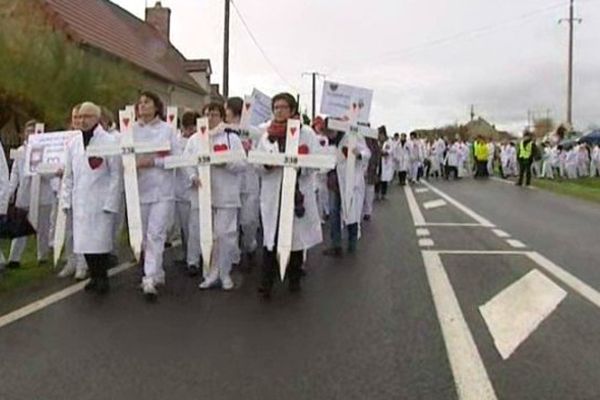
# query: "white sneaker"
{"type": "Point", "coordinates": [148, 287]}
{"type": "Point", "coordinates": [210, 281]}
{"type": "Point", "coordinates": [81, 274]}
{"type": "Point", "coordinates": [67, 271]}
{"type": "Point", "coordinates": [227, 283]}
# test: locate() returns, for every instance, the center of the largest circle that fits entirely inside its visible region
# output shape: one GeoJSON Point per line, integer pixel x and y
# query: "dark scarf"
{"type": "Point", "coordinates": [88, 135]}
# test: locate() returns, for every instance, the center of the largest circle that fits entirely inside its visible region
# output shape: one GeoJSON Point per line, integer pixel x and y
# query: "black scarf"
{"type": "Point", "coordinates": [88, 135]}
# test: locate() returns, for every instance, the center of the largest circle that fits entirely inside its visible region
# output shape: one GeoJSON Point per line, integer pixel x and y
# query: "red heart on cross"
{"type": "Point", "coordinates": [95, 162]}
{"type": "Point", "coordinates": [323, 143]}
{"type": "Point", "coordinates": [171, 118]}
{"type": "Point", "coordinates": [220, 147]}
{"type": "Point", "coordinates": [293, 131]}
{"type": "Point", "coordinates": [345, 151]}
{"type": "Point", "coordinates": [125, 121]}
{"type": "Point", "coordinates": [248, 105]}
{"type": "Point", "coordinates": [203, 129]}
{"type": "Point", "coordinates": [303, 149]}
{"type": "Point", "coordinates": [354, 106]}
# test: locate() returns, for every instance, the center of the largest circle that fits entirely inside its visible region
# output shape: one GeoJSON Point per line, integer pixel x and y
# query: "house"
{"type": "Point", "coordinates": [103, 27]}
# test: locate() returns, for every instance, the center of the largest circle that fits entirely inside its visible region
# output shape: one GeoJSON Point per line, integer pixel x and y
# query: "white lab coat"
{"type": "Point", "coordinates": [4, 189]}
{"type": "Point", "coordinates": [387, 162]}
{"type": "Point", "coordinates": [353, 215]}
{"type": "Point", "coordinates": [453, 156]}
{"type": "Point", "coordinates": [93, 195]}
{"type": "Point", "coordinates": [155, 184]}
{"type": "Point", "coordinates": [402, 156]}
{"type": "Point", "coordinates": [306, 231]}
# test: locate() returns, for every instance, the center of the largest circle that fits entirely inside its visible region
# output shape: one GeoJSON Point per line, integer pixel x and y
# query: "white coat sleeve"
{"type": "Point", "coordinates": [191, 148]}
{"type": "Point", "coordinates": [236, 167]}
{"type": "Point", "coordinates": [4, 188]}
{"type": "Point", "coordinates": [67, 184]}
{"type": "Point", "coordinates": [113, 200]}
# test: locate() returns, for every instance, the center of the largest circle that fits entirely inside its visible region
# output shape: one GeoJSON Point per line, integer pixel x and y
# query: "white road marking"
{"type": "Point", "coordinates": [413, 206]}
{"type": "Point", "coordinates": [470, 375]}
{"type": "Point", "coordinates": [500, 233]}
{"type": "Point", "coordinates": [426, 242]}
{"type": "Point", "coordinates": [484, 252]}
{"type": "Point", "coordinates": [516, 244]}
{"type": "Point", "coordinates": [434, 204]}
{"type": "Point", "coordinates": [516, 312]}
{"type": "Point", "coordinates": [568, 279]}
{"type": "Point", "coordinates": [423, 232]}
{"type": "Point", "coordinates": [421, 190]}
{"type": "Point", "coordinates": [509, 182]}
{"type": "Point", "coordinates": [53, 298]}
{"type": "Point", "coordinates": [455, 224]}
{"type": "Point", "coordinates": [460, 206]}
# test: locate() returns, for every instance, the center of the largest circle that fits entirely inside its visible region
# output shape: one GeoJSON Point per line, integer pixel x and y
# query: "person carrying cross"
{"type": "Point", "coordinates": [306, 225]}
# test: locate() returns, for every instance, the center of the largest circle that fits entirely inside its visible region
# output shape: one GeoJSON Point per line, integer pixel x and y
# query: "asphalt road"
{"type": "Point", "coordinates": [367, 326]}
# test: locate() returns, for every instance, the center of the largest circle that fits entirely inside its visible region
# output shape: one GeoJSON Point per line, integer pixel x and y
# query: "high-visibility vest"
{"type": "Point", "coordinates": [525, 150]}
{"type": "Point", "coordinates": [481, 151]}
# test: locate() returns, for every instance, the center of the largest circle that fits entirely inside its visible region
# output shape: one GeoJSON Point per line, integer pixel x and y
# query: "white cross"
{"type": "Point", "coordinates": [34, 192]}
{"type": "Point", "coordinates": [291, 161]}
{"type": "Point", "coordinates": [203, 160]}
{"type": "Point", "coordinates": [127, 149]}
{"type": "Point", "coordinates": [353, 130]}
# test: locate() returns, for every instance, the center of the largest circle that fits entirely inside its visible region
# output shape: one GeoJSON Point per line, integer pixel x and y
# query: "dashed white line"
{"type": "Point", "coordinates": [423, 232]}
{"type": "Point", "coordinates": [421, 190]}
{"type": "Point", "coordinates": [455, 224]}
{"type": "Point", "coordinates": [434, 204]}
{"type": "Point", "coordinates": [516, 243]}
{"type": "Point", "coordinates": [426, 242]}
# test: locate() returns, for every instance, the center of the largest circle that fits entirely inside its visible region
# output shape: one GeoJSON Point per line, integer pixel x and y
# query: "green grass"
{"type": "Point", "coordinates": [585, 188]}
{"type": "Point", "coordinates": [29, 273]}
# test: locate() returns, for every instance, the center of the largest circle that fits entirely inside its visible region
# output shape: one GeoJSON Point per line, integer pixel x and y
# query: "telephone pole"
{"type": "Point", "coordinates": [571, 20]}
{"type": "Point", "coordinates": [314, 91]}
{"type": "Point", "coordinates": [226, 51]}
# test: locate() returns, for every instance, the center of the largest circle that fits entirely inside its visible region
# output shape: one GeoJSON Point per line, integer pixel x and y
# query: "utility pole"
{"type": "Point", "coordinates": [314, 91]}
{"type": "Point", "coordinates": [226, 51]}
{"type": "Point", "coordinates": [571, 22]}
{"type": "Point", "coordinates": [472, 112]}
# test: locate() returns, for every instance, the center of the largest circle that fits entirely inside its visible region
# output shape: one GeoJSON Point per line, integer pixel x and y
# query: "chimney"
{"type": "Point", "coordinates": [160, 18]}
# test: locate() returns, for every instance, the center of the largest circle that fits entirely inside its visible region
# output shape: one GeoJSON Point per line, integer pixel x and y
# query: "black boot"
{"type": "Point", "coordinates": [102, 285]}
{"type": "Point", "coordinates": [92, 285]}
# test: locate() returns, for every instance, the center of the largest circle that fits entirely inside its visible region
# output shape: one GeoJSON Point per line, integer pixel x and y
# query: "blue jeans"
{"type": "Point", "coordinates": [335, 222]}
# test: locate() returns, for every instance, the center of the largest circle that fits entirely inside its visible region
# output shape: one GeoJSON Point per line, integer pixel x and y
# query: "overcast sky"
{"type": "Point", "coordinates": [426, 60]}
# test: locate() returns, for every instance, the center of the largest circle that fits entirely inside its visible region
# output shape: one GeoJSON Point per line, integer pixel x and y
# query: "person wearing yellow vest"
{"type": "Point", "coordinates": [481, 153]}
{"type": "Point", "coordinates": [525, 152]}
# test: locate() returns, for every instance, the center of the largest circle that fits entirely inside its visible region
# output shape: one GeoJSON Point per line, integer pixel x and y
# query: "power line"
{"type": "Point", "coordinates": [262, 51]}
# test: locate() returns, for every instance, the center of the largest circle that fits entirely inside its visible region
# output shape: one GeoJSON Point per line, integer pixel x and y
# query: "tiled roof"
{"type": "Point", "coordinates": [103, 25]}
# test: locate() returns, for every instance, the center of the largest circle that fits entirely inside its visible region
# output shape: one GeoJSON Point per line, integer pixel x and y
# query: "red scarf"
{"type": "Point", "coordinates": [277, 130]}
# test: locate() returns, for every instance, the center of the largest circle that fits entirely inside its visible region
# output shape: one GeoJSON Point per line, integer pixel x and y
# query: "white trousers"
{"type": "Point", "coordinates": [193, 243]}
{"type": "Point", "coordinates": [17, 246]}
{"type": "Point", "coordinates": [225, 240]}
{"type": "Point", "coordinates": [369, 198]}
{"type": "Point", "coordinates": [414, 170]}
{"type": "Point", "coordinates": [156, 218]}
{"type": "Point", "coordinates": [182, 220]}
{"type": "Point", "coordinates": [322, 195]}
{"type": "Point", "coordinates": [249, 220]}
{"type": "Point", "coordinates": [547, 170]}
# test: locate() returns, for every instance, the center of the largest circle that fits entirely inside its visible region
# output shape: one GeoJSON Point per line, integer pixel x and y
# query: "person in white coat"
{"type": "Point", "coordinates": [386, 164]}
{"type": "Point", "coordinates": [249, 214]}
{"type": "Point", "coordinates": [306, 228]}
{"type": "Point", "coordinates": [402, 158]}
{"type": "Point", "coordinates": [90, 192]}
{"type": "Point", "coordinates": [343, 214]}
{"type": "Point", "coordinates": [20, 183]}
{"type": "Point", "coordinates": [595, 163]}
{"type": "Point", "coordinates": [417, 156]}
{"type": "Point", "coordinates": [156, 189]}
{"type": "Point", "coordinates": [226, 197]}
{"type": "Point", "coordinates": [4, 194]}
{"type": "Point", "coordinates": [452, 160]}
{"type": "Point", "coordinates": [76, 264]}
{"type": "Point", "coordinates": [183, 198]}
